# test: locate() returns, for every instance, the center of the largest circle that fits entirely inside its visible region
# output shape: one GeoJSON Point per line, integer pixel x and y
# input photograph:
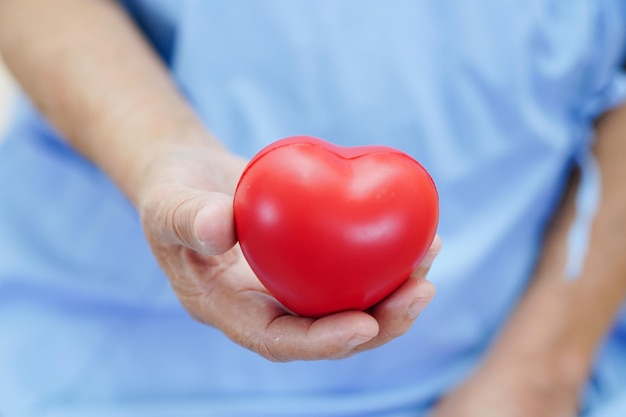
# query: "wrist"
{"type": "Point", "coordinates": [545, 353]}
{"type": "Point", "coordinates": [153, 157]}
{"type": "Point", "coordinates": [538, 378]}
{"type": "Point", "coordinates": [186, 161]}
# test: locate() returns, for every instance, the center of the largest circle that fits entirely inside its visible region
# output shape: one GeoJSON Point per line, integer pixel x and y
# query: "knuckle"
{"type": "Point", "coordinates": [180, 223]}
{"type": "Point", "coordinates": [395, 332]}
{"type": "Point", "coordinates": [264, 348]}
{"type": "Point", "coordinates": [269, 352]}
{"type": "Point", "coordinates": [169, 216]}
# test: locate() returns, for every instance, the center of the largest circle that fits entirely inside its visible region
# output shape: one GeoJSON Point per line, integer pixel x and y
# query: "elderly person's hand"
{"type": "Point", "coordinates": [187, 214]}
{"type": "Point", "coordinates": [116, 103]}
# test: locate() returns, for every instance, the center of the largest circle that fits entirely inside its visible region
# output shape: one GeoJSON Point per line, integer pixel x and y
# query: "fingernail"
{"type": "Point", "coordinates": [202, 247]}
{"type": "Point", "coordinates": [424, 266]}
{"type": "Point", "coordinates": [200, 244]}
{"type": "Point", "coordinates": [416, 308]}
{"type": "Point", "coordinates": [421, 301]}
{"type": "Point", "coordinates": [357, 340]}
{"type": "Point", "coordinates": [429, 259]}
{"type": "Point", "coordinates": [432, 253]}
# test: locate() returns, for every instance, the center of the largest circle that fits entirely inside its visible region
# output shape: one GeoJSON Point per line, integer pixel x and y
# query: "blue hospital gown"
{"type": "Point", "coordinates": [496, 98]}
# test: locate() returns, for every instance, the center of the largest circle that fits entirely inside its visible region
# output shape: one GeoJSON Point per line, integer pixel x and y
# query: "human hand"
{"type": "Point", "coordinates": [506, 387]}
{"type": "Point", "coordinates": [186, 210]}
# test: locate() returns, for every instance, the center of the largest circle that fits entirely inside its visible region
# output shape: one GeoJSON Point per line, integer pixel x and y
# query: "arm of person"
{"type": "Point", "coordinates": [540, 362]}
{"type": "Point", "coordinates": [90, 72]}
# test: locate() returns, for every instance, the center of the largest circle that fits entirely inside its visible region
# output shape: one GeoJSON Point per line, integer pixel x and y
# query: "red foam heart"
{"type": "Point", "coordinates": [328, 228]}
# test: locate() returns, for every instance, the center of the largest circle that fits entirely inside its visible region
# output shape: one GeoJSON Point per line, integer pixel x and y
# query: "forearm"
{"type": "Point", "coordinates": [94, 77]}
{"type": "Point", "coordinates": [563, 320]}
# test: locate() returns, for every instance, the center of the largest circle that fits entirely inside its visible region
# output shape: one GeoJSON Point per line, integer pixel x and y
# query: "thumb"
{"type": "Point", "coordinates": [214, 225]}
{"type": "Point", "coordinates": [199, 220]}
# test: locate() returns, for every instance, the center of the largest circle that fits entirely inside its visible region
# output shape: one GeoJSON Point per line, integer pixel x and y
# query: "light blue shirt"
{"type": "Point", "coordinates": [495, 98]}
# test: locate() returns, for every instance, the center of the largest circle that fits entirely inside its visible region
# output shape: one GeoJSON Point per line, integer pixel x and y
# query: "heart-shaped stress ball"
{"type": "Point", "coordinates": [328, 228]}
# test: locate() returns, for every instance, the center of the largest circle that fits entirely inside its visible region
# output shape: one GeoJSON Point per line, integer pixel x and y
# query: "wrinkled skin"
{"type": "Point", "coordinates": [186, 212]}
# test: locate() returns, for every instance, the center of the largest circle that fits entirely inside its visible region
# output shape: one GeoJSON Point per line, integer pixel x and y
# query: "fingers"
{"type": "Point", "coordinates": [291, 337]}
{"type": "Point", "coordinates": [424, 266]}
{"type": "Point", "coordinates": [395, 314]}
{"type": "Point", "coordinates": [285, 337]}
{"type": "Point", "coordinates": [199, 220]}
{"type": "Point", "coordinates": [254, 319]}
{"type": "Point", "coordinates": [238, 305]}
{"type": "Point", "coordinates": [343, 334]}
